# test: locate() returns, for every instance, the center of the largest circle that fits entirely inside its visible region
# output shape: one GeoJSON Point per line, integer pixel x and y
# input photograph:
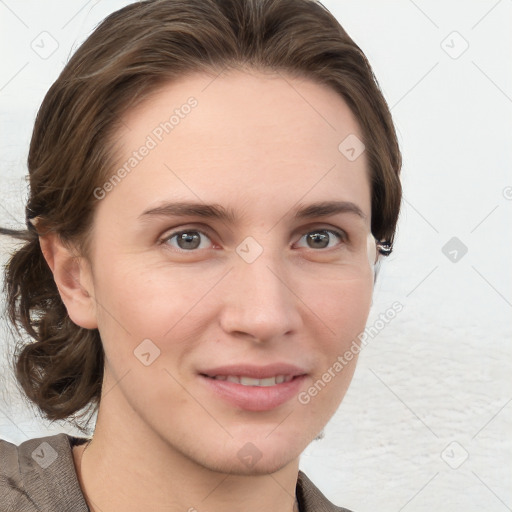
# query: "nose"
{"type": "Point", "coordinates": [259, 300]}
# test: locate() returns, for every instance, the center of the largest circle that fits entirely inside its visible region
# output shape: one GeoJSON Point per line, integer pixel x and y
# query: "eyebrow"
{"type": "Point", "coordinates": [217, 211]}
{"type": "Point", "coordinates": [325, 208]}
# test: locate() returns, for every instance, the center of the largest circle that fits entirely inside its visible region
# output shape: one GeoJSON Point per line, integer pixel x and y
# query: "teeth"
{"type": "Point", "coordinates": [249, 381]}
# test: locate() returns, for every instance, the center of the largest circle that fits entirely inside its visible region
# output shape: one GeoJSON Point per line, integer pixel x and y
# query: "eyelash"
{"type": "Point", "coordinates": [341, 235]}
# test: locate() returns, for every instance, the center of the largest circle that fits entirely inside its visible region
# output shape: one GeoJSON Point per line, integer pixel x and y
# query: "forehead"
{"type": "Point", "coordinates": [241, 136]}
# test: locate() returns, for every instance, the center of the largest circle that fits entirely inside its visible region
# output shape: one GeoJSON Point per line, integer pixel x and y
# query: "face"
{"type": "Point", "coordinates": [246, 287]}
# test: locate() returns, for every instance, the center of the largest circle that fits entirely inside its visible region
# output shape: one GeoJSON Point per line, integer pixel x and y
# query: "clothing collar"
{"type": "Point", "coordinates": [49, 476]}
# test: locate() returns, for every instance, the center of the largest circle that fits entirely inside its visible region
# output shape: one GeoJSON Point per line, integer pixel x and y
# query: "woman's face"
{"type": "Point", "coordinates": [180, 292]}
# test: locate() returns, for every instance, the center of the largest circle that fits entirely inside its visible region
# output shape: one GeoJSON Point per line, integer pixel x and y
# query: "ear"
{"type": "Point", "coordinates": [73, 277]}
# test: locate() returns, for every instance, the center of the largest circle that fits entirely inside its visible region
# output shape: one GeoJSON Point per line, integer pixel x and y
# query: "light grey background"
{"type": "Point", "coordinates": [426, 423]}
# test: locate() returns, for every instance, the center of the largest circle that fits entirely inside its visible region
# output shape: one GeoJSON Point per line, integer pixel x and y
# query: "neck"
{"type": "Point", "coordinates": [145, 473]}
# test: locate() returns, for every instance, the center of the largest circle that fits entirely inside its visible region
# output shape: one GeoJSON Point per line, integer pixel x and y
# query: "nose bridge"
{"type": "Point", "coordinates": [260, 301]}
{"type": "Point", "coordinates": [263, 275]}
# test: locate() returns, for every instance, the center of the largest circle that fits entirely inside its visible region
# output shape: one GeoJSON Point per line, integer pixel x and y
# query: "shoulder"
{"type": "Point", "coordinates": [311, 499]}
{"type": "Point", "coordinates": [39, 474]}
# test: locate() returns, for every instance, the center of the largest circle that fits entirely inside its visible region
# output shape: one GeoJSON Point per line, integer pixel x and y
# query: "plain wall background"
{"type": "Point", "coordinates": [426, 423]}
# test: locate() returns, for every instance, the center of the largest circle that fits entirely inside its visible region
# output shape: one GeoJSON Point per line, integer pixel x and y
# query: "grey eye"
{"type": "Point", "coordinates": [320, 238]}
{"type": "Point", "coordinates": [187, 240]}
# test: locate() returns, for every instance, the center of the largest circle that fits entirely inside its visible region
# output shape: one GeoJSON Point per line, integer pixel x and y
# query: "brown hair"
{"type": "Point", "coordinates": [132, 53]}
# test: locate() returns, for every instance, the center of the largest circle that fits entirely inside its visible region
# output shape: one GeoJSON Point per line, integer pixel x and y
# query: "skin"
{"type": "Point", "coordinates": [258, 143]}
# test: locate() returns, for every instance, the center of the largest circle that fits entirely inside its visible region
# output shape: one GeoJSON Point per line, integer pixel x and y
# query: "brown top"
{"type": "Point", "coordinates": [39, 476]}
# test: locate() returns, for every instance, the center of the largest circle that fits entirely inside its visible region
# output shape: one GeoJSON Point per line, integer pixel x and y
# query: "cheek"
{"type": "Point", "coordinates": [343, 306]}
{"type": "Point", "coordinates": [343, 310]}
{"type": "Point", "coordinates": [140, 301]}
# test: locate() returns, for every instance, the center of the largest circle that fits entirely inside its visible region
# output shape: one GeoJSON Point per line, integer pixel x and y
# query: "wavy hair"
{"type": "Point", "coordinates": [130, 55]}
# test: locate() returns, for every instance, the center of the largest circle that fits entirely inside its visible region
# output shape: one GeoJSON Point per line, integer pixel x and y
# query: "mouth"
{"type": "Point", "coordinates": [252, 387]}
{"type": "Point", "coordinates": [245, 380]}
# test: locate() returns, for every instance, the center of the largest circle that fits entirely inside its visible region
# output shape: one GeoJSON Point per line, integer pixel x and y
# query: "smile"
{"type": "Point", "coordinates": [250, 381]}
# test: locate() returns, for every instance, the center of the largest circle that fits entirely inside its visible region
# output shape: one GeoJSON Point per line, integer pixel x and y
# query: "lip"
{"type": "Point", "coordinates": [256, 372]}
{"type": "Point", "coordinates": [255, 398]}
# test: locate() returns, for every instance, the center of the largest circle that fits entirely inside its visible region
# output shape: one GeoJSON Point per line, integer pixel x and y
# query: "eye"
{"type": "Point", "coordinates": [321, 238]}
{"type": "Point", "coordinates": [186, 240]}
{"type": "Point", "coordinates": [189, 240]}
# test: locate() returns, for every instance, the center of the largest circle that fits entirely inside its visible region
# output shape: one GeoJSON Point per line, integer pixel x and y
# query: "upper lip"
{"type": "Point", "coordinates": [255, 372]}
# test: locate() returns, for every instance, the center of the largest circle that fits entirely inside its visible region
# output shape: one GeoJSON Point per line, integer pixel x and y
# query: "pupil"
{"type": "Point", "coordinates": [321, 237]}
{"type": "Point", "coordinates": [188, 239]}
{"type": "Point", "coordinates": [191, 241]}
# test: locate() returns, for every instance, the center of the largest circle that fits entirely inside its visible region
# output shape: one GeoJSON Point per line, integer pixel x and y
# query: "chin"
{"type": "Point", "coordinates": [264, 466]}
{"type": "Point", "coordinates": [249, 458]}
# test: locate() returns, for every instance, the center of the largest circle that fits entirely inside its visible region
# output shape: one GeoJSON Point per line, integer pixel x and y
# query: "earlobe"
{"type": "Point", "coordinates": [73, 278]}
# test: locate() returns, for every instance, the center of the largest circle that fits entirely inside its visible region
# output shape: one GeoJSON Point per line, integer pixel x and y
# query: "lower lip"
{"type": "Point", "coordinates": [255, 398]}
